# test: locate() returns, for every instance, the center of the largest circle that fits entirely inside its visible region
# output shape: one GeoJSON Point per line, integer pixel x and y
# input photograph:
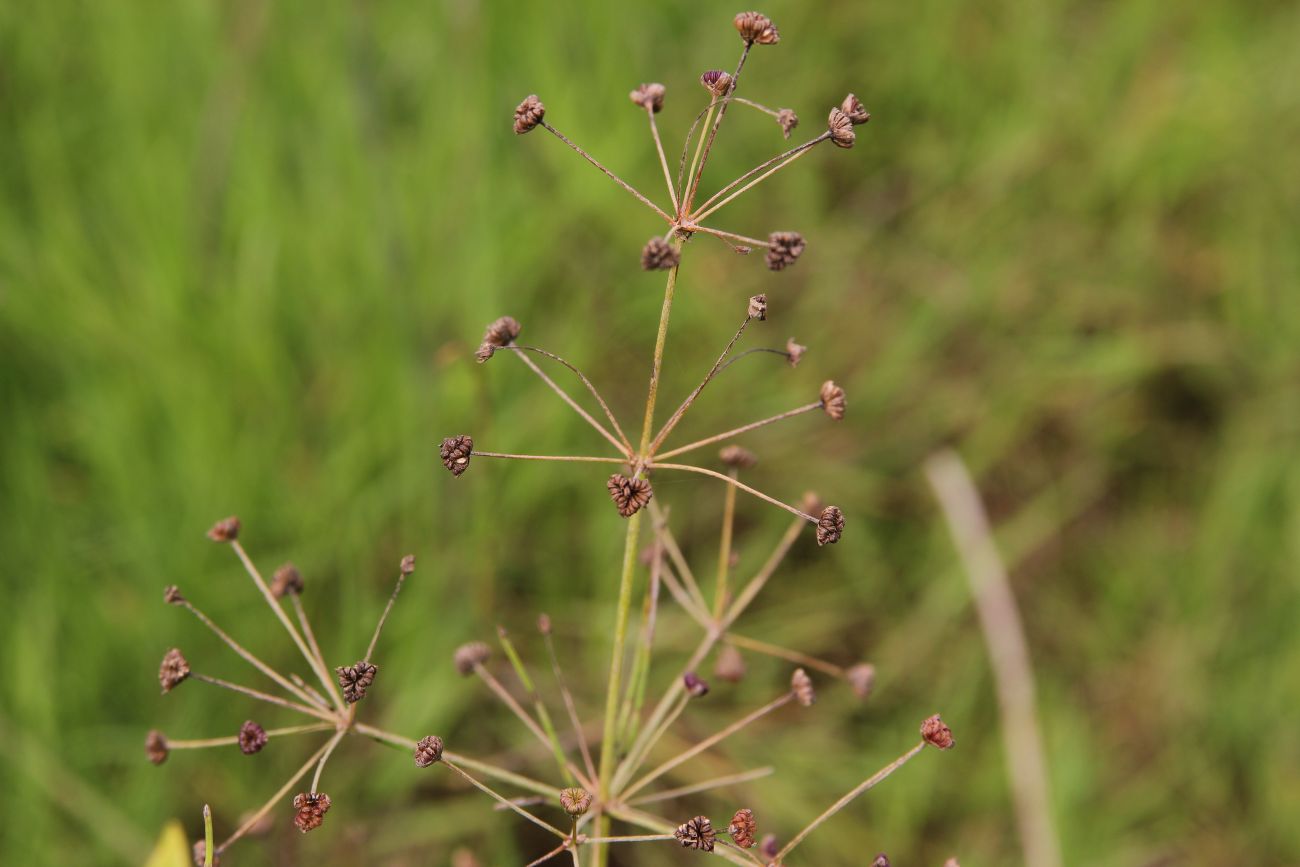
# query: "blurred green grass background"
{"type": "Point", "coordinates": [247, 248]}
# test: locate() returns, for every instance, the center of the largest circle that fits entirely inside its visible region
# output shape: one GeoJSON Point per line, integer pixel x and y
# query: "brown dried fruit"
{"type": "Point", "coordinates": [155, 747]}
{"type": "Point", "coordinates": [794, 352]}
{"type": "Point", "coordinates": [802, 686]}
{"type": "Point", "coordinates": [841, 129]}
{"type": "Point", "coordinates": [575, 801]}
{"type": "Point", "coordinates": [407, 566]}
{"type": "Point", "coordinates": [696, 686]}
{"type": "Point", "coordinates": [833, 400]}
{"type": "Point", "coordinates": [311, 807]}
{"type": "Point", "coordinates": [225, 530]}
{"type": "Point", "coordinates": [854, 110]}
{"type": "Point", "coordinates": [758, 307]}
{"type": "Point", "coordinates": [287, 579]}
{"type": "Point", "coordinates": [788, 120]}
{"type": "Point", "coordinates": [501, 332]}
{"type": "Point", "coordinates": [356, 679]}
{"type": "Point", "coordinates": [716, 81]}
{"type": "Point", "coordinates": [830, 526]}
{"type": "Point", "coordinates": [861, 678]}
{"type": "Point", "coordinates": [696, 833]}
{"type": "Point", "coordinates": [659, 255]}
{"type": "Point", "coordinates": [469, 655]}
{"type": "Point", "coordinates": [783, 248]}
{"type": "Point", "coordinates": [456, 452]}
{"type": "Point", "coordinates": [738, 457]}
{"type": "Point", "coordinates": [936, 734]}
{"type": "Point", "coordinates": [629, 495]}
{"type": "Point", "coordinates": [528, 114]}
{"type": "Point", "coordinates": [174, 670]}
{"type": "Point", "coordinates": [742, 828]}
{"type": "Point", "coordinates": [730, 665]}
{"type": "Point", "coordinates": [649, 96]}
{"type": "Point", "coordinates": [252, 737]}
{"type": "Point", "coordinates": [172, 595]}
{"type": "Point", "coordinates": [428, 751]}
{"type": "Point", "coordinates": [755, 27]}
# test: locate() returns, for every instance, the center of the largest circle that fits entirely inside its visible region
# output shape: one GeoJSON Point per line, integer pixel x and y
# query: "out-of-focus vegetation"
{"type": "Point", "coordinates": [247, 248]}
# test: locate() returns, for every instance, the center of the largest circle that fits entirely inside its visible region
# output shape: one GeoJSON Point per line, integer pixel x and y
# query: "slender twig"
{"type": "Point", "coordinates": [752, 104]}
{"type": "Point", "coordinates": [643, 838]}
{"type": "Point", "coordinates": [769, 649]}
{"type": "Point", "coordinates": [735, 432]}
{"type": "Point", "coordinates": [707, 115]}
{"type": "Point", "coordinates": [713, 133]}
{"type": "Point", "coordinates": [590, 459]}
{"type": "Point", "coordinates": [765, 572]}
{"type": "Point", "coordinates": [675, 553]}
{"type": "Point", "coordinates": [687, 468]}
{"type": "Point", "coordinates": [706, 785]}
{"type": "Point", "coordinates": [744, 239]}
{"type": "Point", "coordinates": [724, 548]}
{"type": "Point", "coordinates": [663, 160]}
{"type": "Point", "coordinates": [306, 687]}
{"type": "Point", "coordinates": [233, 740]}
{"type": "Point", "coordinates": [256, 817]}
{"type": "Point", "coordinates": [757, 349]}
{"type": "Point", "coordinates": [308, 633]}
{"type": "Point", "coordinates": [308, 709]}
{"type": "Point", "coordinates": [623, 446]}
{"type": "Point", "coordinates": [622, 183]}
{"type": "Point", "coordinates": [549, 855]}
{"type": "Point", "coordinates": [529, 723]}
{"type": "Point", "coordinates": [690, 398]}
{"type": "Point", "coordinates": [541, 823]}
{"type": "Point", "coordinates": [543, 715]}
{"type": "Point", "coordinates": [570, 706]}
{"type": "Point", "coordinates": [383, 618]}
{"type": "Point", "coordinates": [637, 755]}
{"type": "Point", "coordinates": [325, 757]}
{"type": "Point", "coordinates": [627, 444]}
{"type": "Point", "coordinates": [778, 160]}
{"type": "Point", "coordinates": [697, 609]}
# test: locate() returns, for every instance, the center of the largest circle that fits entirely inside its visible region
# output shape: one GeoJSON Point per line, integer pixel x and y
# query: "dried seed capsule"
{"type": "Point", "coordinates": [659, 255]}
{"type": "Point", "coordinates": [356, 679]}
{"type": "Point", "coordinates": [882, 860]}
{"type": "Point", "coordinates": [830, 526]}
{"type": "Point", "coordinates": [833, 401]}
{"type": "Point", "coordinates": [696, 833]}
{"type": "Point", "coordinates": [769, 847]}
{"type": "Point", "coordinates": [802, 686]}
{"type": "Point", "coordinates": [649, 96]}
{"type": "Point", "coordinates": [172, 595]}
{"type": "Point", "coordinates": [936, 734]}
{"type": "Point", "coordinates": [861, 678]}
{"type": "Point", "coordinates": [287, 580]}
{"type": "Point", "coordinates": [174, 670]}
{"type": "Point", "coordinates": [755, 27]}
{"type": "Point", "coordinates": [155, 747]}
{"type": "Point", "coordinates": [730, 665]}
{"type": "Point", "coordinates": [252, 737]}
{"type": "Point", "coordinates": [788, 120]}
{"type": "Point", "coordinates": [456, 452]}
{"type": "Point", "coordinates": [311, 807]}
{"type": "Point", "coordinates": [501, 332]}
{"type": "Point", "coordinates": [758, 307]}
{"type": "Point", "coordinates": [544, 624]}
{"type": "Point", "coordinates": [696, 687]}
{"type": "Point", "coordinates": [469, 655]}
{"type": "Point", "coordinates": [528, 114]}
{"type": "Point", "coordinates": [854, 110]}
{"type": "Point", "coordinates": [841, 128]}
{"type": "Point", "coordinates": [737, 457]}
{"type": "Point", "coordinates": [407, 566]}
{"type": "Point", "coordinates": [629, 495]}
{"type": "Point", "coordinates": [200, 852]}
{"type": "Point", "coordinates": [428, 751]}
{"type": "Point", "coordinates": [742, 828]}
{"type": "Point", "coordinates": [783, 248]}
{"type": "Point", "coordinates": [716, 81]}
{"type": "Point", "coordinates": [225, 530]}
{"type": "Point", "coordinates": [794, 352]}
{"type": "Point", "coordinates": [575, 801]}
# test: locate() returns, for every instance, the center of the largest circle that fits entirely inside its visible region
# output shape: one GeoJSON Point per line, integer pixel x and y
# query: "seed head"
{"type": "Point", "coordinates": [502, 332]}
{"type": "Point", "coordinates": [830, 526]}
{"type": "Point", "coordinates": [287, 580]}
{"type": "Point", "coordinates": [469, 655]}
{"type": "Point", "coordinates": [155, 747]}
{"type": "Point", "coordinates": [575, 801]}
{"type": "Point", "coordinates": [758, 307]}
{"type": "Point", "coordinates": [456, 452]}
{"type": "Point", "coordinates": [788, 120]}
{"type": "Point", "coordinates": [200, 852]}
{"type": "Point", "coordinates": [629, 495]}
{"type": "Point", "coordinates": [528, 114]}
{"type": "Point", "coordinates": [783, 249]}
{"type": "Point", "coordinates": [407, 566]}
{"type": "Point", "coordinates": [755, 27]}
{"type": "Point", "coordinates": [882, 860]}
{"type": "Point", "coordinates": [311, 807]}
{"type": "Point", "coordinates": [225, 530]}
{"type": "Point", "coordinates": [769, 848]}
{"type": "Point", "coordinates": [730, 665]}
{"type": "Point", "coordinates": [716, 81]}
{"type": "Point", "coordinates": [802, 686]}
{"type": "Point", "coordinates": [696, 686]}
{"type": "Point", "coordinates": [841, 128]}
{"type": "Point", "coordinates": [428, 751]}
{"type": "Point", "coordinates": [936, 734]}
{"type": "Point", "coordinates": [649, 96]}
{"type": "Point", "coordinates": [854, 110]}
{"type": "Point", "coordinates": [696, 833]}
{"type": "Point", "coordinates": [833, 400]}
{"type": "Point", "coordinates": [173, 671]}
{"type": "Point", "coordinates": [861, 677]}
{"type": "Point", "coordinates": [252, 737]}
{"type": "Point", "coordinates": [794, 351]}
{"type": "Point", "coordinates": [544, 624]}
{"type": "Point", "coordinates": [172, 595]}
{"type": "Point", "coordinates": [659, 255]}
{"type": "Point", "coordinates": [737, 457]}
{"type": "Point", "coordinates": [355, 679]}
{"type": "Point", "coordinates": [742, 828]}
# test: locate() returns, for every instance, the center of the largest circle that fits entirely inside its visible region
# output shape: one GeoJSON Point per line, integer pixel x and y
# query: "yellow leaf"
{"type": "Point", "coordinates": [173, 849]}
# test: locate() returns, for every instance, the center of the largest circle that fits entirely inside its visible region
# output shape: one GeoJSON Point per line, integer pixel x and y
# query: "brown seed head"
{"type": "Point", "coordinates": [311, 807]}
{"type": "Point", "coordinates": [854, 110]}
{"type": "Point", "coordinates": [755, 27]}
{"type": "Point", "coordinates": [742, 828]}
{"type": "Point", "coordinates": [544, 624]}
{"type": "Point", "coordinates": [861, 678]}
{"type": "Point", "coordinates": [802, 687]}
{"type": "Point", "coordinates": [841, 128]}
{"type": "Point", "coordinates": [173, 671]}
{"type": "Point", "coordinates": [730, 665]}
{"type": "Point", "coordinates": [788, 120]}
{"type": "Point", "coordinates": [456, 452]}
{"type": "Point", "coordinates": [502, 332]}
{"type": "Point", "coordinates": [783, 249]}
{"type": "Point", "coordinates": [649, 96]}
{"type": "Point", "coordinates": [737, 457]}
{"type": "Point", "coordinates": [428, 751]}
{"type": "Point", "coordinates": [696, 833]}
{"type": "Point", "coordinates": [407, 566]}
{"type": "Point", "coordinates": [575, 801]}
{"type": "Point", "coordinates": [794, 352]}
{"type": "Point", "coordinates": [882, 860]}
{"type": "Point", "coordinates": [629, 495]}
{"type": "Point", "coordinates": [833, 401]}
{"type": "Point", "coordinates": [355, 679]}
{"type": "Point", "coordinates": [469, 655]}
{"type": "Point", "coordinates": [659, 255]}
{"type": "Point", "coordinates": [155, 747]}
{"type": "Point", "coordinates": [200, 853]}
{"type": "Point", "coordinates": [252, 737]}
{"type": "Point", "coordinates": [830, 526]}
{"type": "Point", "coordinates": [716, 81]}
{"type": "Point", "coordinates": [696, 686]}
{"type": "Point", "coordinates": [936, 734]}
{"type": "Point", "coordinates": [172, 595]}
{"type": "Point", "coordinates": [528, 114]}
{"type": "Point", "coordinates": [287, 580]}
{"type": "Point", "coordinates": [769, 847]}
{"type": "Point", "coordinates": [225, 530]}
{"type": "Point", "coordinates": [758, 307]}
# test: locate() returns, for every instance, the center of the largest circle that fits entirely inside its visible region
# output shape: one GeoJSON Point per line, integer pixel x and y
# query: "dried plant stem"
{"type": "Point", "coordinates": [308, 709]}
{"type": "Point", "coordinates": [760, 579]}
{"type": "Point", "coordinates": [869, 783]}
{"type": "Point", "coordinates": [779, 652]}
{"type": "Point", "coordinates": [623, 446]}
{"type": "Point", "coordinates": [706, 785]}
{"type": "Point", "coordinates": [589, 459]}
{"type": "Point", "coordinates": [636, 756]}
{"type": "Point", "coordinates": [570, 707]}
{"type": "Point", "coordinates": [713, 132]}
{"type": "Point", "coordinates": [757, 349]}
{"type": "Point", "coordinates": [622, 183]}
{"type": "Point", "coordinates": [690, 398]}
{"type": "Point", "coordinates": [529, 723]}
{"type": "Point", "coordinates": [541, 823]}
{"type": "Point", "coordinates": [675, 553]}
{"type": "Point", "coordinates": [699, 149]}
{"type": "Point", "coordinates": [734, 432]}
{"type": "Point", "coordinates": [252, 820]}
{"type": "Point", "coordinates": [707, 743]}
{"type": "Point", "coordinates": [687, 468]}
{"type": "Point", "coordinates": [724, 550]}
{"type": "Point", "coordinates": [304, 685]}
{"type": "Point", "coordinates": [663, 160]}
{"type": "Point", "coordinates": [697, 609]}
{"type": "Point", "coordinates": [549, 855]}
{"type": "Point", "coordinates": [308, 633]}
{"type": "Point", "coordinates": [778, 161]}
{"type": "Point", "coordinates": [233, 740]}
{"type": "Point", "coordinates": [643, 838]}
{"type": "Point", "coordinates": [744, 239]}
{"type": "Point", "coordinates": [1008, 654]}
{"type": "Point", "coordinates": [627, 444]}
{"type": "Point", "coordinates": [383, 618]}
{"type": "Point", "coordinates": [539, 707]}
{"type": "Point", "coordinates": [325, 757]}
{"type": "Point", "coordinates": [752, 104]}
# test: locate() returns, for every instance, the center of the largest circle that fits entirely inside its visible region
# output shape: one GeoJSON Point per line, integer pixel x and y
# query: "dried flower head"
{"type": "Point", "coordinates": [783, 249]}
{"type": "Point", "coordinates": [469, 655]}
{"type": "Point", "coordinates": [716, 81]}
{"type": "Point", "coordinates": [155, 747]}
{"type": "Point", "coordinates": [833, 402]}
{"type": "Point", "coordinates": [936, 734]}
{"type": "Point", "coordinates": [830, 526]}
{"type": "Point", "coordinates": [499, 333]}
{"type": "Point", "coordinates": [225, 530]}
{"type": "Point", "coordinates": [287, 580]}
{"type": "Point", "coordinates": [355, 679]}
{"type": "Point", "coordinates": [649, 96]}
{"type": "Point", "coordinates": [544, 624]}
{"type": "Point", "coordinates": [882, 860]}
{"type": "Point", "coordinates": [311, 807]}
{"type": "Point", "coordinates": [200, 854]}
{"type": "Point", "coordinates": [742, 828]}
{"type": "Point", "coordinates": [696, 833]}
{"type": "Point", "coordinates": [659, 255]}
{"type": "Point", "coordinates": [173, 671]}
{"type": "Point", "coordinates": [788, 120]}
{"type": "Point", "coordinates": [737, 457]}
{"type": "Point", "coordinates": [629, 495]}
{"type": "Point", "coordinates": [861, 678]}
{"type": "Point", "coordinates": [575, 801]}
{"type": "Point", "coordinates": [755, 27]}
{"type": "Point", "coordinates": [696, 686]}
{"type": "Point", "coordinates": [172, 595]}
{"type": "Point", "coordinates": [794, 351]}
{"type": "Point", "coordinates": [758, 307]}
{"type": "Point", "coordinates": [730, 665]}
{"type": "Point", "coordinates": [854, 110]}
{"type": "Point", "coordinates": [841, 129]}
{"type": "Point", "coordinates": [528, 114]}
{"type": "Point", "coordinates": [456, 452]}
{"type": "Point", "coordinates": [428, 751]}
{"type": "Point", "coordinates": [802, 687]}
{"type": "Point", "coordinates": [407, 566]}
{"type": "Point", "coordinates": [252, 737]}
{"type": "Point", "coordinates": [769, 848]}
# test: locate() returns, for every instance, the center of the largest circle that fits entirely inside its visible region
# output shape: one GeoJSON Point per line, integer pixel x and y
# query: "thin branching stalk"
{"type": "Point", "coordinates": [724, 549]}
{"type": "Point", "coordinates": [589, 459]}
{"type": "Point", "coordinates": [308, 709]}
{"type": "Point", "coordinates": [325, 757]}
{"type": "Point", "coordinates": [754, 351]}
{"type": "Point", "coordinates": [744, 239]}
{"type": "Point", "coordinates": [675, 554]}
{"type": "Point", "coordinates": [778, 161]}
{"type": "Point", "coordinates": [233, 740]}
{"type": "Point", "coordinates": [773, 650]}
{"type": "Point", "coordinates": [609, 414]}
{"type": "Point", "coordinates": [704, 786]}
{"type": "Point", "coordinates": [623, 446]}
{"type": "Point", "coordinates": [539, 707]}
{"type": "Point", "coordinates": [663, 160]}
{"type": "Point", "coordinates": [713, 132]}
{"type": "Point", "coordinates": [735, 432]}
{"type": "Point", "coordinates": [569, 706]}
{"type": "Point", "coordinates": [383, 618]}
{"type": "Point", "coordinates": [687, 468]}
{"type": "Point", "coordinates": [529, 723]}
{"type": "Point", "coordinates": [308, 633]}
{"type": "Point", "coordinates": [541, 823]}
{"type": "Point", "coordinates": [257, 816]}
{"type": "Point", "coordinates": [765, 572]}
{"type": "Point", "coordinates": [622, 183]}
{"type": "Point", "coordinates": [690, 398]}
